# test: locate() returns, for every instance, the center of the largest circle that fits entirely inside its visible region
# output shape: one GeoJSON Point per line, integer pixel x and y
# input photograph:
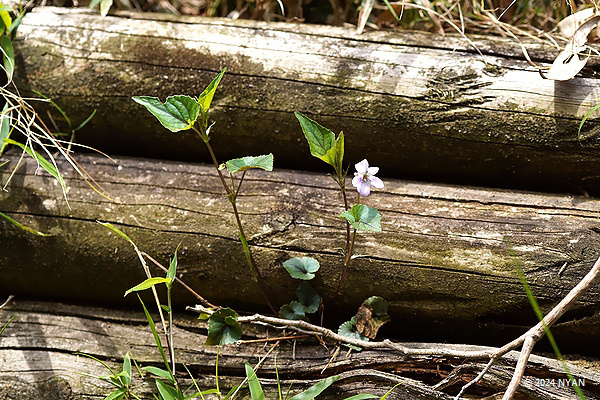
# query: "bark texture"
{"type": "Point", "coordinates": [441, 261]}
{"type": "Point", "coordinates": [38, 361]}
{"type": "Point", "coordinates": [425, 107]}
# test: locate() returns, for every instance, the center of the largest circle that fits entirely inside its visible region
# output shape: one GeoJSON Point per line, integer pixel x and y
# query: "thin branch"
{"type": "Point", "coordinates": [520, 368]}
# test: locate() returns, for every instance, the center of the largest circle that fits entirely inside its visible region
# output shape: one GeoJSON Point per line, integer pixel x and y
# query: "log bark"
{"type": "Point", "coordinates": [37, 352]}
{"type": "Point", "coordinates": [441, 261]}
{"type": "Point", "coordinates": [425, 107]}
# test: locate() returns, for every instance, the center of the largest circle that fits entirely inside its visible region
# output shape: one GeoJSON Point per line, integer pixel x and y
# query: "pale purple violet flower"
{"type": "Point", "coordinates": [364, 178]}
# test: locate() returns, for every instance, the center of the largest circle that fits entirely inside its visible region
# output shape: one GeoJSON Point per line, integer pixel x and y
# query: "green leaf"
{"type": "Point", "coordinates": [5, 17]}
{"type": "Point", "coordinates": [293, 311]}
{"type": "Point", "coordinates": [84, 123]}
{"type": "Point", "coordinates": [301, 267]}
{"type": "Point", "coordinates": [6, 324]}
{"type": "Point", "coordinates": [45, 164]}
{"type": "Point", "coordinates": [117, 231]}
{"type": "Point", "coordinates": [348, 329]}
{"type": "Point", "coordinates": [308, 297]}
{"type": "Point", "coordinates": [167, 392]}
{"type": "Point", "coordinates": [118, 394]}
{"type": "Point", "coordinates": [385, 396]}
{"type": "Point", "coordinates": [127, 370]}
{"type": "Point", "coordinates": [362, 396]}
{"type": "Point", "coordinates": [58, 108]}
{"type": "Point", "coordinates": [172, 268]}
{"type": "Point", "coordinates": [256, 391]}
{"type": "Point", "coordinates": [377, 304]}
{"type": "Point", "coordinates": [363, 218]}
{"type": "Point", "coordinates": [105, 7]}
{"type": "Point", "coordinates": [159, 345]}
{"type": "Point", "coordinates": [159, 372]}
{"type": "Point", "coordinates": [585, 117]}
{"type": "Point", "coordinates": [316, 389]}
{"type": "Point", "coordinates": [178, 113]}
{"type": "Point", "coordinates": [223, 327]}
{"type": "Point", "coordinates": [320, 139]}
{"type": "Point", "coordinates": [245, 163]}
{"type": "Point", "coordinates": [8, 56]}
{"type": "Point", "coordinates": [147, 284]}
{"type": "Point", "coordinates": [5, 120]}
{"type": "Point", "coordinates": [24, 227]}
{"type": "Point", "coordinates": [207, 95]}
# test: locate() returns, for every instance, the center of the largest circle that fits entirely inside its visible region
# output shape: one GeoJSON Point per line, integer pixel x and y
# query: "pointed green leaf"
{"type": "Point", "coordinates": [159, 372]}
{"type": "Point", "coordinates": [167, 392]}
{"type": "Point", "coordinates": [84, 123]}
{"type": "Point", "coordinates": [223, 327]}
{"type": "Point", "coordinates": [207, 95]}
{"type": "Point", "coordinates": [172, 268]}
{"type": "Point", "coordinates": [24, 227]}
{"type": "Point", "coordinates": [127, 370]}
{"type": "Point", "coordinates": [159, 345]}
{"type": "Point", "coordinates": [116, 230]}
{"type": "Point", "coordinates": [178, 113]}
{"type": "Point", "coordinates": [293, 311]}
{"type": "Point", "coordinates": [362, 397]}
{"type": "Point", "coordinates": [308, 297]}
{"type": "Point", "coordinates": [147, 284]}
{"type": "Point", "coordinates": [256, 391]}
{"type": "Point", "coordinates": [105, 7]}
{"type": "Point", "coordinates": [363, 218]}
{"type": "Point", "coordinates": [245, 163]}
{"type": "Point", "coordinates": [117, 394]}
{"type": "Point", "coordinates": [45, 164]}
{"type": "Point", "coordinates": [315, 390]}
{"type": "Point", "coordinates": [8, 56]}
{"type": "Point", "coordinates": [320, 139]}
{"type": "Point", "coordinates": [302, 267]}
{"type": "Point", "coordinates": [5, 120]}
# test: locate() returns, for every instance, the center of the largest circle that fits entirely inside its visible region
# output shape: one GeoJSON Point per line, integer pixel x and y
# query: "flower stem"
{"type": "Point", "coordinates": [349, 240]}
{"type": "Point", "coordinates": [232, 195]}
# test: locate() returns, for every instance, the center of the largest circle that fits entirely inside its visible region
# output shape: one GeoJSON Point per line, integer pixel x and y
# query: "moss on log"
{"type": "Point", "coordinates": [425, 107]}
{"type": "Point", "coordinates": [441, 261]}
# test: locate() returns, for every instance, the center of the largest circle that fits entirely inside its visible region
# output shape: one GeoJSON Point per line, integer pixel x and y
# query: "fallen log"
{"type": "Point", "coordinates": [441, 261]}
{"type": "Point", "coordinates": [38, 357]}
{"type": "Point", "coordinates": [424, 107]}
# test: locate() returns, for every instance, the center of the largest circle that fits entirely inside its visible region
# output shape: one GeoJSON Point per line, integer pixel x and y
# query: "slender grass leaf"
{"type": "Point", "coordinates": [45, 164]}
{"type": "Point", "coordinates": [167, 392]}
{"type": "Point", "coordinates": [15, 23]}
{"type": "Point", "coordinates": [6, 324]}
{"type": "Point", "coordinates": [24, 227]}
{"type": "Point", "coordinates": [178, 113]}
{"type": "Point", "coordinates": [105, 7]}
{"type": "Point", "coordinates": [315, 390]}
{"type": "Point", "coordinates": [301, 267]}
{"type": "Point", "coordinates": [8, 56]}
{"type": "Point", "coordinates": [85, 122]}
{"type": "Point", "coordinates": [585, 117]}
{"type": "Point", "coordinates": [5, 119]}
{"type": "Point", "coordinates": [159, 372]}
{"type": "Point", "coordinates": [308, 297]}
{"type": "Point", "coordinates": [58, 108]}
{"type": "Point", "coordinates": [116, 230]}
{"type": "Point", "coordinates": [385, 396]}
{"type": "Point", "coordinates": [245, 163]}
{"type": "Point", "coordinates": [293, 311]}
{"type": "Point", "coordinates": [363, 218]}
{"type": "Point", "coordinates": [320, 139]}
{"type": "Point", "coordinates": [207, 95]}
{"type": "Point", "coordinates": [223, 327]}
{"type": "Point", "coordinates": [147, 284]}
{"type": "Point", "coordinates": [118, 394]}
{"type": "Point", "coordinates": [361, 397]}
{"type": "Point", "coordinates": [256, 391]}
{"type": "Point", "coordinates": [172, 269]}
{"type": "Point", "coordinates": [5, 16]}
{"type": "Point", "coordinates": [159, 345]}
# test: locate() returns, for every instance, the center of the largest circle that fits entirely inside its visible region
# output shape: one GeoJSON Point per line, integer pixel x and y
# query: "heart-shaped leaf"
{"type": "Point", "coordinates": [348, 329]}
{"type": "Point", "coordinates": [363, 218]}
{"type": "Point", "coordinates": [178, 113]}
{"type": "Point", "coordinates": [223, 327]}
{"type": "Point", "coordinates": [371, 315]}
{"type": "Point", "coordinates": [321, 140]}
{"type": "Point", "coordinates": [308, 297]}
{"type": "Point", "coordinates": [245, 163]}
{"type": "Point", "coordinates": [302, 267]}
{"type": "Point", "coordinates": [293, 311]}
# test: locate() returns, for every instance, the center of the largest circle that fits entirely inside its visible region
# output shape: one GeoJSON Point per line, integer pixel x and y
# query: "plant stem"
{"type": "Point", "coordinates": [349, 239]}
{"type": "Point", "coordinates": [231, 195]}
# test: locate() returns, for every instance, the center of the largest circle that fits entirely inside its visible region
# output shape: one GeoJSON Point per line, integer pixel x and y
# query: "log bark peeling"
{"type": "Point", "coordinates": [441, 260]}
{"type": "Point", "coordinates": [425, 107]}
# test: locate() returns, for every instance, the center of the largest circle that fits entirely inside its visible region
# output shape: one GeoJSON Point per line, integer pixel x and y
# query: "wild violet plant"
{"type": "Point", "coordinates": [180, 113]}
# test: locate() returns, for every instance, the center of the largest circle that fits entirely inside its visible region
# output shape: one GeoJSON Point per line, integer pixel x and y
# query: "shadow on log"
{"type": "Point", "coordinates": [37, 353]}
{"type": "Point", "coordinates": [424, 107]}
{"type": "Point", "coordinates": [441, 260]}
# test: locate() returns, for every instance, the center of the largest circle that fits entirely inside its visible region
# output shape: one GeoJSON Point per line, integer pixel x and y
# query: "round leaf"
{"type": "Point", "coordinates": [223, 327]}
{"type": "Point", "coordinates": [242, 164]}
{"type": "Point", "coordinates": [363, 218]}
{"type": "Point", "coordinates": [308, 297]}
{"type": "Point", "coordinates": [293, 311]}
{"type": "Point", "coordinates": [302, 267]}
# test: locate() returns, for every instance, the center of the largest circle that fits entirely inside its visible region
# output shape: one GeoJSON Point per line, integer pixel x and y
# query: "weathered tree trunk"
{"type": "Point", "coordinates": [441, 261]}
{"type": "Point", "coordinates": [38, 361]}
{"type": "Point", "coordinates": [421, 106]}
